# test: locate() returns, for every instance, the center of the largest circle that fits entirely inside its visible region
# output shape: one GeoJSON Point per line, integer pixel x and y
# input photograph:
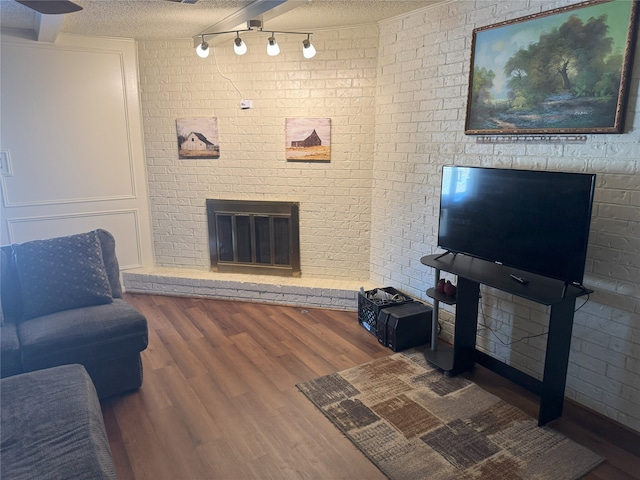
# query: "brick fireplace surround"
{"type": "Point", "coordinates": [339, 294]}
{"type": "Point", "coordinates": [304, 292]}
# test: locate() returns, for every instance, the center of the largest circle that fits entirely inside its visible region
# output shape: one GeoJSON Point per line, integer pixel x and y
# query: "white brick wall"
{"type": "Point", "coordinates": [335, 198]}
{"type": "Point", "coordinates": [420, 111]}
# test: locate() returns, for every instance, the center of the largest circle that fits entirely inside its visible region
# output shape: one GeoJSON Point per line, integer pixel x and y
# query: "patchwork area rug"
{"type": "Point", "coordinates": [415, 423]}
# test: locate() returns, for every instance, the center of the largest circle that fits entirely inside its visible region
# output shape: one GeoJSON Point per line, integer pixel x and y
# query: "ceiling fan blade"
{"type": "Point", "coordinates": [51, 7]}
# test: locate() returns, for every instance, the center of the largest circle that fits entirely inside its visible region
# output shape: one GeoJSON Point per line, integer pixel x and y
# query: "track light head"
{"type": "Point", "coordinates": [239, 47]}
{"type": "Point", "coordinates": [202, 50]}
{"type": "Point", "coordinates": [308, 50]}
{"type": "Point", "coordinates": [272, 46]}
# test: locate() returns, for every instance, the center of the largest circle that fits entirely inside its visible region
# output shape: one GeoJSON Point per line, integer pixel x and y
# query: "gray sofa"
{"type": "Point", "coordinates": [51, 427]}
{"type": "Point", "coordinates": [61, 303]}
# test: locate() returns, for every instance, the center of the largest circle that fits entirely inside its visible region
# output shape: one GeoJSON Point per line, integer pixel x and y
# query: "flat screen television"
{"type": "Point", "coordinates": [536, 221]}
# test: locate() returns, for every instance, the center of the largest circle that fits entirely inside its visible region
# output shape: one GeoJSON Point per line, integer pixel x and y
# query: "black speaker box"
{"type": "Point", "coordinates": [404, 326]}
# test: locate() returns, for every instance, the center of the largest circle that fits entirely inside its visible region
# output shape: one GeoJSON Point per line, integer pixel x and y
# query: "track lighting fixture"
{"type": "Point", "coordinates": [240, 48]}
{"type": "Point", "coordinates": [308, 50]}
{"type": "Point", "coordinates": [273, 48]}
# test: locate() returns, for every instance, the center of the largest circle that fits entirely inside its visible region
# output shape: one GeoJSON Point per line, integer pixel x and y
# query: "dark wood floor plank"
{"type": "Point", "coordinates": [221, 313]}
{"type": "Point", "coordinates": [268, 334]}
{"type": "Point", "coordinates": [212, 329]}
{"type": "Point", "coordinates": [314, 361]}
{"type": "Point", "coordinates": [219, 399]}
{"type": "Point", "coordinates": [182, 397]}
{"type": "Point", "coordinates": [174, 431]}
{"type": "Point", "coordinates": [185, 329]}
{"type": "Point", "coordinates": [154, 396]}
{"type": "Point", "coordinates": [221, 456]}
{"type": "Point", "coordinates": [269, 367]}
{"type": "Point", "coordinates": [296, 367]}
{"type": "Point", "coordinates": [186, 360]}
{"type": "Point", "coordinates": [219, 372]}
{"type": "Point", "coordinates": [232, 424]}
{"type": "Point", "coordinates": [297, 325]}
{"type": "Point", "coordinates": [146, 451]}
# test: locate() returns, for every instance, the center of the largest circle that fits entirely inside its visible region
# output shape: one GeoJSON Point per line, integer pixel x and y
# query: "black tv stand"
{"type": "Point", "coordinates": [444, 254]}
{"type": "Point", "coordinates": [461, 357]}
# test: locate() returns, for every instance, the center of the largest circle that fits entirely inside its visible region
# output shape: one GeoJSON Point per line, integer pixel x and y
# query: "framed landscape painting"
{"type": "Point", "coordinates": [308, 139]}
{"type": "Point", "coordinates": [562, 71]}
{"type": "Point", "coordinates": [198, 138]}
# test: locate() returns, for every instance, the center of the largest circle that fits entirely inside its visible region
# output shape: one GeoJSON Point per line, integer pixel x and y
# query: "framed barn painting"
{"type": "Point", "coordinates": [308, 139]}
{"type": "Point", "coordinates": [562, 71]}
{"type": "Point", "coordinates": [198, 138]}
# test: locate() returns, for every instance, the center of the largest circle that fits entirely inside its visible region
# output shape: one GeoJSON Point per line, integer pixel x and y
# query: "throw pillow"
{"type": "Point", "coordinates": [61, 273]}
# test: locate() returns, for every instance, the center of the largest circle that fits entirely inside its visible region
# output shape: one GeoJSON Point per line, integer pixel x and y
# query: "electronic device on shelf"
{"type": "Point", "coordinates": [535, 221]}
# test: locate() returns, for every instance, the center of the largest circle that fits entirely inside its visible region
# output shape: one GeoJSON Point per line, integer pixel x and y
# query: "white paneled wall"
{"type": "Point", "coordinates": [420, 110]}
{"type": "Point", "coordinates": [72, 133]}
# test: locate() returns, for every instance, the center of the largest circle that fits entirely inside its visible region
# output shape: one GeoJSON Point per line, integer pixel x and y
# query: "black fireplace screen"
{"type": "Point", "coordinates": [258, 237]}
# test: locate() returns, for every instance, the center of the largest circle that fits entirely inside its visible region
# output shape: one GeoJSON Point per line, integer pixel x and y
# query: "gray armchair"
{"type": "Point", "coordinates": [62, 303]}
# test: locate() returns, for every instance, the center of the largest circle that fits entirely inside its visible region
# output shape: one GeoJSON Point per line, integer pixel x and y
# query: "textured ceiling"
{"type": "Point", "coordinates": [163, 19]}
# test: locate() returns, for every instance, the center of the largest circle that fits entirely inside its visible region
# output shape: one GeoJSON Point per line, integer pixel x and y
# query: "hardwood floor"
{"type": "Point", "coordinates": [219, 399]}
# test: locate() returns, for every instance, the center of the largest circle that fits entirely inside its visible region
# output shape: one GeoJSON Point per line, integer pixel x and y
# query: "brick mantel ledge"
{"type": "Point", "coordinates": [305, 292]}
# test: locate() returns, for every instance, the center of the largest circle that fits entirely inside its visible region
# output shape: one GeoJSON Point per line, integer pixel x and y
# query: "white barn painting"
{"type": "Point", "coordinates": [198, 138]}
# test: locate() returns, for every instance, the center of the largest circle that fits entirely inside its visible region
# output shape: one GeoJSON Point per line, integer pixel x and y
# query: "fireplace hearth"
{"type": "Point", "coordinates": [254, 237]}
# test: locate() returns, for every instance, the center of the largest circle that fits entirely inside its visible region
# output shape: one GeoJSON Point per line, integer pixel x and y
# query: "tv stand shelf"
{"type": "Point", "coordinates": [441, 297]}
{"type": "Point", "coordinates": [463, 354]}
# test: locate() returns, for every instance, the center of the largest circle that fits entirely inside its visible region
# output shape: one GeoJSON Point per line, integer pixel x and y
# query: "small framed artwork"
{"type": "Point", "coordinates": [308, 139]}
{"type": "Point", "coordinates": [198, 138]}
{"type": "Point", "coordinates": [562, 71]}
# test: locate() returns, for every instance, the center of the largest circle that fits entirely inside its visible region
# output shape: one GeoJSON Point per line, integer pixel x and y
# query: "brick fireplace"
{"type": "Point", "coordinates": [248, 273]}
{"type": "Point", "coordinates": [255, 256]}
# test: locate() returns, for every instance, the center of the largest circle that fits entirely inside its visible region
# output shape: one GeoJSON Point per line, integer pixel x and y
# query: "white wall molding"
{"type": "Point", "coordinates": [123, 224]}
{"type": "Point", "coordinates": [9, 204]}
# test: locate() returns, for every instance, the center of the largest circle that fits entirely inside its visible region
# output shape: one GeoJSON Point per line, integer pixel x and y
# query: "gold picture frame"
{"type": "Point", "coordinates": [564, 71]}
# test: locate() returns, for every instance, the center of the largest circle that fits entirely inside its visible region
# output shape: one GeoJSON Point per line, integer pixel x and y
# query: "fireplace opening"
{"type": "Point", "coordinates": [256, 237]}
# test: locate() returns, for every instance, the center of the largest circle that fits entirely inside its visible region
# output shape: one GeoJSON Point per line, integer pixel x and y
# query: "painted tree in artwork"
{"type": "Point", "coordinates": [517, 69]}
{"type": "Point", "coordinates": [574, 59]}
{"type": "Point", "coordinates": [482, 83]}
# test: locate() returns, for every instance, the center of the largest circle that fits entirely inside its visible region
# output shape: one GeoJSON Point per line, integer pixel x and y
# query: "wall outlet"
{"type": "Point", "coordinates": [246, 104]}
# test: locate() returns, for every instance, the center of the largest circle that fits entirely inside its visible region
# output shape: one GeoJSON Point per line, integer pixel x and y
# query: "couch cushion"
{"type": "Point", "coordinates": [61, 273]}
{"type": "Point", "coordinates": [85, 335]}
{"type": "Point", "coordinates": [52, 427]}
{"type": "Point", "coordinates": [10, 286]}
{"type": "Point", "coordinates": [10, 358]}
